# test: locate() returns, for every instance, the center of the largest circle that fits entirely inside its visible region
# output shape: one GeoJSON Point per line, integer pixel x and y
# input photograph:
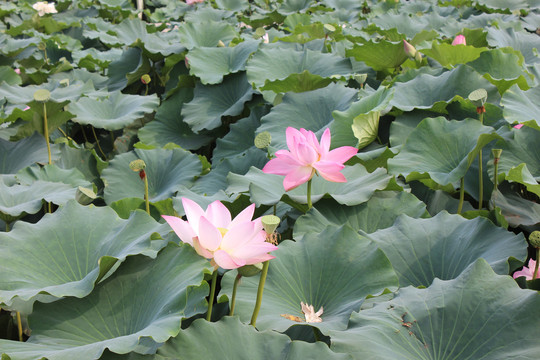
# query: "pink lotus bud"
{"type": "Point", "coordinates": [18, 71]}
{"type": "Point", "coordinates": [409, 49]}
{"type": "Point", "coordinates": [459, 40]}
{"type": "Point", "coordinates": [518, 126]}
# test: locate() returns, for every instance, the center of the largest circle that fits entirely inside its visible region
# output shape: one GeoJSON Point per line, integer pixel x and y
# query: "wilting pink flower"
{"type": "Point", "coordinates": [518, 126]}
{"type": "Point", "coordinates": [459, 40]}
{"type": "Point", "coordinates": [527, 271]}
{"type": "Point", "coordinates": [230, 243]}
{"type": "Point", "coordinates": [190, 2]}
{"type": "Point", "coordinates": [409, 49]}
{"type": "Point", "coordinates": [306, 157]}
{"type": "Point", "coordinates": [43, 7]}
{"type": "Point", "coordinates": [18, 71]}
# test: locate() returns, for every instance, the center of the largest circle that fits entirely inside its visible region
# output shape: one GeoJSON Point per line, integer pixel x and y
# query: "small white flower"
{"type": "Point", "coordinates": [43, 7]}
{"type": "Point", "coordinates": [310, 314]}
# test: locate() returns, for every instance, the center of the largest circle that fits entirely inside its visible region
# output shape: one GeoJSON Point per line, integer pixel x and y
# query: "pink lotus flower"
{"type": "Point", "coordinates": [409, 49]}
{"type": "Point", "coordinates": [518, 126]}
{"type": "Point", "coordinates": [306, 157]}
{"type": "Point", "coordinates": [527, 271]}
{"type": "Point", "coordinates": [230, 243]}
{"type": "Point", "coordinates": [191, 2]}
{"type": "Point", "coordinates": [459, 40]}
{"type": "Point", "coordinates": [18, 71]}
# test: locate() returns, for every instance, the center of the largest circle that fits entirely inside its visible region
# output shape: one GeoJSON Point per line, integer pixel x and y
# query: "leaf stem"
{"type": "Point", "coordinates": [480, 173]}
{"type": "Point", "coordinates": [97, 143]}
{"type": "Point", "coordinates": [309, 205]}
{"type": "Point", "coordinates": [535, 273]}
{"type": "Point", "coordinates": [233, 300]}
{"type": "Point", "coordinates": [461, 195]}
{"type": "Point", "coordinates": [260, 290]}
{"type": "Point", "coordinates": [212, 294]}
{"type": "Point", "coordinates": [7, 226]}
{"type": "Point", "coordinates": [46, 131]}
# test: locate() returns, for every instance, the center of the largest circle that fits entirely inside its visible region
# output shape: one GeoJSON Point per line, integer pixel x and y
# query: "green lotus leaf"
{"type": "Point", "coordinates": [501, 68]}
{"type": "Point", "coordinates": [449, 55]}
{"type": "Point", "coordinates": [521, 106]}
{"type": "Point", "coordinates": [305, 271]}
{"type": "Point", "coordinates": [210, 64]}
{"type": "Point", "coordinates": [443, 246]}
{"type": "Point", "coordinates": [167, 127]}
{"type": "Point", "coordinates": [81, 159]}
{"type": "Point", "coordinates": [363, 117]}
{"type": "Point", "coordinates": [65, 254]}
{"type": "Point", "coordinates": [90, 58]}
{"type": "Point", "coordinates": [267, 189]}
{"type": "Point", "coordinates": [425, 91]}
{"type": "Point", "coordinates": [114, 112]}
{"type": "Point", "coordinates": [379, 212]}
{"type": "Point", "coordinates": [127, 69]}
{"type": "Point", "coordinates": [508, 5]}
{"type": "Point", "coordinates": [9, 75]}
{"type": "Point", "coordinates": [515, 209]}
{"type": "Point", "coordinates": [166, 170]}
{"type": "Point", "coordinates": [312, 111]}
{"type": "Point", "coordinates": [137, 308]}
{"type": "Point", "coordinates": [271, 69]}
{"type": "Point", "coordinates": [425, 19]}
{"type": "Point", "coordinates": [234, 5]}
{"type": "Point", "coordinates": [18, 200]}
{"type": "Point", "coordinates": [522, 175]}
{"type": "Point", "coordinates": [56, 116]}
{"type": "Point", "coordinates": [460, 318]}
{"type": "Point", "coordinates": [192, 344]}
{"type": "Point", "coordinates": [16, 94]}
{"type": "Point", "coordinates": [441, 150]}
{"type": "Point", "coordinates": [211, 102]}
{"type": "Point", "coordinates": [52, 173]}
{"type": "Point", "coordinates": [15, 156]}
{"type": "Point", "coordinates": [522, 41]}
{"type": "Point", "coordinates": [205, 34]}
{"type": "Point", "coordinates": [379, 55]}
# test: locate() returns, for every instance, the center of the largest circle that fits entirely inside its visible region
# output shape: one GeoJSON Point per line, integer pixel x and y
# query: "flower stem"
{"type": "Point", "coordinates": [19, 326]}
{"type": "Point", "coordinates": [480, 173]}
{"type": "Point", "coordinates": [146, 198]}
{"type": "Point", "coordinates": [235, 286]}
{"type": "Point", "coordinates": [535, 273]}
{"type": "Point", "coordinates": [309, 194]}
{"type": "Point", "coordinates": [260, 290]}
{"type": "Point", "coordinates": [7, 227]}
{"type": "Point", "coordinates": [461, 195]}
{"type": "Point", "coordinates": [97, 143]}
{"type": "Point", "coordinates": [46, 131]}
{"type": "Point", "coordinates": [496, 171]}
{"type": "Point", "coordinates": [212, 294]}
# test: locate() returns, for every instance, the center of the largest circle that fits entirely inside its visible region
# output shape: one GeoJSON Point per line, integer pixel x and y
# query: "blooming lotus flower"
{"type": "Point", "coordinates": [43, 7]}
{"type": "Point", "coordinates": [230, 243]}
{"type": "Point", "coordinates": [527, 271]}
{"type": "Point", "coordinates": [459, 40]}
{"type": "Point", "coordinates": [306, 157]}
{"type": "Point", "coordinates": [190, 2]}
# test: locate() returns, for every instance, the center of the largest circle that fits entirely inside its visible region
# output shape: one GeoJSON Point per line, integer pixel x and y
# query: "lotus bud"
{"type": "Point", "coordinates": [145, 79]}
{"type": "Point", "coordinates": [250, 270]}
{"type": "Point", "coordinates": [459, 40]}
{"type": "Point", "coordinates": [409, 49]}
{"type": "Point", "coordinates": [262, 140]}
{"type": "Point", "coordinates": [534, 239]}
{"type": "Point", "coordinates": [270, 223]}
{"type": "Point", "coordinates": [220, 44]}
{"type": "Point", "coordinates": [42, 95]}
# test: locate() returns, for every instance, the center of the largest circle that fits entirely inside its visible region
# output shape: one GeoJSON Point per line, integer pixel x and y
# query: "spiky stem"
{"type": "Point", "coordinates": [260, 290]}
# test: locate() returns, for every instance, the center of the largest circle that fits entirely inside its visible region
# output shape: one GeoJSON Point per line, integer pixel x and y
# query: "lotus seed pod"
{"type": "Point", "coordinates": [145, 79]}
{"type": "Point", "coordinates": [478, 97]}
{"type": "Point", "coordinates": [262, 140]}
{"type": "Point", "coordinates": [137, 165]}
{"type": "Point", "coordinates": [328, 29]}
{"type": "Point", "coordinates": [64, 82]}
{"type": "Point", "coordinates": [250, 270]}
{"type": "Point", "coordinates": [534, 239]}
{"type": "Point", "coordinates": [42, 95]}
{"type": "Point", "coordinates": [496, 153]}
{"type": "Point", "coordinates": [270, 223]}
{"type": "Point", "coordinates": [85, 196]}
{"type": "Point", "coordinates": [259, 32]}
{"type": "Point", "coordinates": [360, 78]}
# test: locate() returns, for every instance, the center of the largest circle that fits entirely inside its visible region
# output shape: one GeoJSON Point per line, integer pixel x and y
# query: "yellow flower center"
{"type": "Point", "coordinates": [223, 231]}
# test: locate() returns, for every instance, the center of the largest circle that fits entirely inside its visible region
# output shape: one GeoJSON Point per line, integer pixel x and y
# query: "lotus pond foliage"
{"type": "Point", "coordinates": [269, 179]}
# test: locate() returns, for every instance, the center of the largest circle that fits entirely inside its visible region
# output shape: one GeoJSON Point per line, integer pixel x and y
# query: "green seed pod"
{"type": "Point", "coordinates": [329, 29]}
{"type": "Point", "coordinates": [145, 79]}
{"type": "Point", "coordinates": [534, 239]}
{"type": "Point", "coordinates": [42, 95]}
{"type": "Point", "coordinates": [270, 223]}
{"type": "Point", "coordinates": [262, 140]}
{"type": "Point", "coordinates": [259, 32]}
{"type": "Point", "coordinates": [478, 97]}
{"type": "Point", "coordinates": [137, 165]}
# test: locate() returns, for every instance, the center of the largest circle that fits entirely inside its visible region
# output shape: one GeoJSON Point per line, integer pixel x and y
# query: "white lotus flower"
{"type": "Point", "coordinates": [43, 7]}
